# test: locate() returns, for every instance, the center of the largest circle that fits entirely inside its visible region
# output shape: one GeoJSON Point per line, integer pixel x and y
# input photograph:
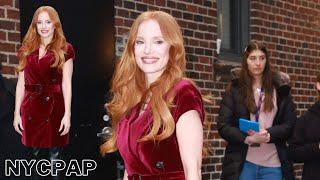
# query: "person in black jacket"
{"type": "Point", "coordinates": [261, 95]}
{"type": "Point", "coordinates": [305, 142]}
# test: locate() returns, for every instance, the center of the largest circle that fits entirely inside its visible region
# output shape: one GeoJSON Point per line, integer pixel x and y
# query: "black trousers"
{"type": "Point", "coordinates": [45, 154]}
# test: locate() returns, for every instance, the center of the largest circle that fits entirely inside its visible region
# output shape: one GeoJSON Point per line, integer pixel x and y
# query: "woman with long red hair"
{"type": "Point", "coordinates": [157, 113]}
{"type": "Point", "coordinates": [43, 92]}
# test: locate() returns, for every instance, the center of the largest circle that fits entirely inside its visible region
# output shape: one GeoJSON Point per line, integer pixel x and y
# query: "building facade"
{"type": "Point", "coordinates": [215, 33]}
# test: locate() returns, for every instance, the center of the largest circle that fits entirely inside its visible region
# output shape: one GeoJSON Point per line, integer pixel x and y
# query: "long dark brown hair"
{"type": "Point", "coordinates": [246, 80]}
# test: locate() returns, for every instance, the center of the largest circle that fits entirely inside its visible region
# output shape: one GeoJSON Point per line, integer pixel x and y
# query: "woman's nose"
{"type": "Point", "coordinates": [147, 48]}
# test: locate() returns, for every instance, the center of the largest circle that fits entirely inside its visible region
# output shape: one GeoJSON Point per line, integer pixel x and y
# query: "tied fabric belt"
{"type": "Point", "coordinates": [164, 176]}
{"type": "Point", "coordinates": [42, 88]}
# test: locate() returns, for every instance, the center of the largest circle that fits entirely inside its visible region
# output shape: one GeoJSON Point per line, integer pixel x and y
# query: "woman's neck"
{"type": "Point", "coordinates": [257, 82]}
{"type": "Point", "coordinates": [152, 77]}
{"type": "Point", "coordinates": [45, 41]}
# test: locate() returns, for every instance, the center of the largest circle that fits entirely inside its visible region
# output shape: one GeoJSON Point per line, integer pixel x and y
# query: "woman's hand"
{"type": "Point", "coordinates": [265, 133]}
{"type": "Point", "coordinates": [66, 90]}
{"type": "Point", "coordinates": [65, 125]}
{"type": "Point", "coordinates": [17, 123]}
{"type": "Point", "coordinates": [258, 137]}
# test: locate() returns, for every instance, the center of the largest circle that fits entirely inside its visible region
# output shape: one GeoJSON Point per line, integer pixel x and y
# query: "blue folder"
{"type": "Point", "coordinates": [245, 125]}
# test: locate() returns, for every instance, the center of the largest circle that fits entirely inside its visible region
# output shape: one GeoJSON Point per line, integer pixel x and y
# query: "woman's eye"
{"type": "Point", "coordinates": [39, 22]}
{"type": "Point", "coordinates": [252, 58]}
{"type": "Point", "coordinates": [159, 42]}
{"type": "Point", "coordinates": [139, 42]}
{"type": "Point", "coordinates": [48, 22]}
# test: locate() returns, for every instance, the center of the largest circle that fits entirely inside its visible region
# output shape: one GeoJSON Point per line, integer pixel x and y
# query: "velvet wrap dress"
{"type": "Point", "coordinates": [42, 108]}
{"type": "Point", "coordinates": [156, 160]}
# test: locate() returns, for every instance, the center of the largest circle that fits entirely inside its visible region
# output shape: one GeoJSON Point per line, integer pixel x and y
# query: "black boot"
{"type": "Point", "coordinates": [36, 154]}
{"type": "Point", "coordinates": [54, 154]}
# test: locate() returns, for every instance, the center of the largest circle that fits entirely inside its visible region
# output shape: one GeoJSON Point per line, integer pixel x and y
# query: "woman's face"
{"type": "Point", "coordinates": [256, 62]}
{"type": "Point", "coordinates": [318, 86]}
{"type": "Point", "coordinates": [45, 27]}
{"type": "Point", "coordinates": [151, 50]}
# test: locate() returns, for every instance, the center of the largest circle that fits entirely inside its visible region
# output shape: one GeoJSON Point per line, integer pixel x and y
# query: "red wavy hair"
{"type": "Point", "coordinates": [32, 39]}
{"type": "Point", "coordinates": [129, 85]}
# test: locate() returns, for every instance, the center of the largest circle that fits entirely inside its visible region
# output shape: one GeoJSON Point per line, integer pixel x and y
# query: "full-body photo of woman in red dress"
{"type": "Point", "coordinates": [43, 92]}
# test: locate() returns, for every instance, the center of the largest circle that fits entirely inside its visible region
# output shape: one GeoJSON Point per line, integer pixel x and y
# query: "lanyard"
{"type": "Point", "coordinates": [259, 105]}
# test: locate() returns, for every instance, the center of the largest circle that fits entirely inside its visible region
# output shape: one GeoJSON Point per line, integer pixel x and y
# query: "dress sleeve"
{"type": "Point", "coordinates": [188, 98]}
{"type": "Point", "coordinates": [70, 52]}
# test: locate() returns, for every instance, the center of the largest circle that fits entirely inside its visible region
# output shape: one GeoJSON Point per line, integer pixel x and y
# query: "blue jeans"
{"type": "Point", "coordinates": [251, 171]}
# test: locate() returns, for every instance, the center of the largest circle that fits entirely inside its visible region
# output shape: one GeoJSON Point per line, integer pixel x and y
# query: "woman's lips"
{"type": "Point", "coordinates": [149, 60]}
{"type": "Point", "coordinates": [44, 31]}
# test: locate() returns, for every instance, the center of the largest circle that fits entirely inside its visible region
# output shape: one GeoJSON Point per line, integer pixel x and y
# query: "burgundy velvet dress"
{"type": "Point", "coordinates": [156, 160]}
{"type": "Point", "coordinates": [42, 108]}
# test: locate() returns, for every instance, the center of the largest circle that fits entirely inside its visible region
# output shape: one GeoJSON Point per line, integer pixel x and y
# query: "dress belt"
{"type": "Point", "coordinates": [42, 88]}
{"type": "Point", "coordinates": [162, 176]}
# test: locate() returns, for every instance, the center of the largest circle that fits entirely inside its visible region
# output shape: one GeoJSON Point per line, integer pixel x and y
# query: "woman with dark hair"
{"type": "Point", "coordinates": [257, 95]}
{"type": "Point", "coordinates": [304, 146]}
{"type": "Point", "coordinates": [43, 93]}
{"type": "Point", "coordinates": [157, 113]}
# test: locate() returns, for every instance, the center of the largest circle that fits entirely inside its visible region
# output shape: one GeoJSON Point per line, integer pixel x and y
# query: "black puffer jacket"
{"type": "Point", "coordinates": [232, 108]}
{"type": "Point", "coordinates": [304, 144]}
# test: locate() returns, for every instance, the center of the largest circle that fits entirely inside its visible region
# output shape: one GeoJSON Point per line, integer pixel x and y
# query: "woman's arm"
{"type": "Point", "coordinates": [226, 118]}
{"type": "Point", "coordinates": [125, 175]}
{"type": "Point", "coordinates": [190, 140]}
{"type": "Point", "coordinates": [67, 94]}
{"type": "Point", "coordinates": [281, 132]}
{"type": "Point", "coordinates": [17, 123]}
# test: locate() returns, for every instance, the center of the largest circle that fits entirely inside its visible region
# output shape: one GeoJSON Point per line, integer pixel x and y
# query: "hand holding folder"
{"type": "Point", "coordinates": [246, 125]}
